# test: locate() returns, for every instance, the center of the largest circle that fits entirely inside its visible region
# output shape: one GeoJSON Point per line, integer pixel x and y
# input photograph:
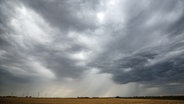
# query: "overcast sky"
{"type": "Point", "coordinates": [70, 48]}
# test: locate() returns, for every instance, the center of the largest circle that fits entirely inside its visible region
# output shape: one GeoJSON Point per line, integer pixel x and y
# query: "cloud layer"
{"type": "Point", "coordinates": [133, 46]}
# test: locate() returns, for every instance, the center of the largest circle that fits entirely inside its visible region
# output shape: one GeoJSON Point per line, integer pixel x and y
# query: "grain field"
{"type": "Point", "coordinates": [86, 101]}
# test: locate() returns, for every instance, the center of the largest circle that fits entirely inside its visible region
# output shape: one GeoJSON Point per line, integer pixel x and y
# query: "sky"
{"type": "Point", "coordinates": [106, 48]}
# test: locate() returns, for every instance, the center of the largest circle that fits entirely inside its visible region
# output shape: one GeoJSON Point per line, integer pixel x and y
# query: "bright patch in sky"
{"type": "Point", "coordinates": [112, 2]}
{"type": "Point", "coordinates": [80, 56]}
{"type": "Point", "coordinates": [101, 17]}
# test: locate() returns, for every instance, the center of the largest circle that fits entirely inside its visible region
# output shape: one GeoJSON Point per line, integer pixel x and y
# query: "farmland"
{"type": "Point", "coordinates": [86, 101]}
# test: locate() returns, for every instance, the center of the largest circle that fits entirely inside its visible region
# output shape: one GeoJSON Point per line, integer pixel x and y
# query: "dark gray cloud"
{"type": "Point", "coordinates": [135, 69]}
{"type": "Point", "coordinates": [67, 15]}
{"type": "Point", "coordinates": [136, 44]}
{"type": "Point", "coordinates": [149, 48]}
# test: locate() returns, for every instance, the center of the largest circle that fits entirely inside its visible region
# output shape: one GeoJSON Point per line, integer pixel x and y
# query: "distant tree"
{"type": "Point", "coordinates": [117, 97]}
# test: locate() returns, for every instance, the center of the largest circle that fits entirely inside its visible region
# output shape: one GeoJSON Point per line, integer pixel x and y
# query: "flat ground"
{"type": "Point", "coordinates": [86, 101]}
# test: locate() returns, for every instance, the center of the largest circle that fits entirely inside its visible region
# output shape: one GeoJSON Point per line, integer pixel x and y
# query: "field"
{"type": "Point", "coordinates": [86, 101]}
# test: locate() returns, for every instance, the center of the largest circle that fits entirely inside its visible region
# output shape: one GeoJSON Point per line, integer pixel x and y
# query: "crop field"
{"type": "Point", "coordinates": [86, 101]}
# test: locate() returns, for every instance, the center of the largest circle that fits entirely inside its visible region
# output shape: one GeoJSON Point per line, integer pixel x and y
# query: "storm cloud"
{"type": "Point", "coordinates": [72, 45]}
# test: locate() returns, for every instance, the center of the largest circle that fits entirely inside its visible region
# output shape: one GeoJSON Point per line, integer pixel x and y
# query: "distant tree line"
{"type": "Point", "coordinates": [154, 97]}
{"type": "Point", "coordinates": [118, 97]}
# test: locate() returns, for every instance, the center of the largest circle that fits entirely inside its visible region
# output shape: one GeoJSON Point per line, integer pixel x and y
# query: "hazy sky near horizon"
{"type": "Point", "coordinates": [69, 48]}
